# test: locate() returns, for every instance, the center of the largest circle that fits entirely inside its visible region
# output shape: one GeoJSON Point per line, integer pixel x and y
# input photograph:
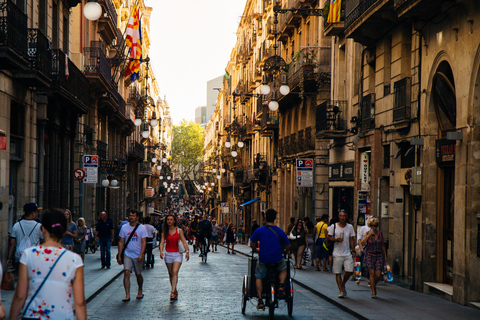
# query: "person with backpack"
{"type": "Point", "coordinates": [25, 233]}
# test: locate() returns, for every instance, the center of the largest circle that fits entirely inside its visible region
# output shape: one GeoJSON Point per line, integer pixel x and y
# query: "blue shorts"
{"type": "Point", "coordinates": [321, 253]}
{"type": "Point", "coordinates": [261, 269]}
{"type": "Point", "coordinates": [215, 238]}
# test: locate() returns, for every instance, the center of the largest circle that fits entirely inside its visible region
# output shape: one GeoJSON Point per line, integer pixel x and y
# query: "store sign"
{"type": "Point", "coordinates": [365, 170]}
{"type": "Point", "coordinates": [3, 140]}
{"type": "Point", "coordinates": [341, 171]}
{"type": "Point", "coordinates": [149, 192]}
{"type": "Point", "coordinates": [445, 150]}
{"type": "Point", "coordinates": [225, 208]}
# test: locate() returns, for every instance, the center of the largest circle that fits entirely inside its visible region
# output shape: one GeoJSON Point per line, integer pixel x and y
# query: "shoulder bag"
{"type": "Point", "coordinates": [41, 285]}
{"type": "Point", "coordinates": [327, 244]}
{"type": "Point", "coordinates": [281, 241]}
{"type": "Point", "coordinates": [126, 244]}
{"type": "Point", "coordinates": [181, 248]}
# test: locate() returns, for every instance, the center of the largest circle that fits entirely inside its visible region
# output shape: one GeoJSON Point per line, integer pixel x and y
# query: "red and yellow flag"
{"type": "Point", "coordinates": [334, 12]}
{"type": "Point", "coordinates": [134, 42]}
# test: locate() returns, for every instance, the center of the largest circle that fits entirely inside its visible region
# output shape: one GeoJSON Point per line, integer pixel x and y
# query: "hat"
{"type": "Point", "coordinates": [30, 207]}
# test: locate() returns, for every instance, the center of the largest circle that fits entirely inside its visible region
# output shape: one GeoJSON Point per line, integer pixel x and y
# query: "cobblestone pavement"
{"type": "Point", "coordinates": [206, 291]}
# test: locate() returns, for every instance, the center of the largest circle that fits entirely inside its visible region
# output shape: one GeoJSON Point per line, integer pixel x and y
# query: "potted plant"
{"type": "Point", "coordinates": [309, 59]}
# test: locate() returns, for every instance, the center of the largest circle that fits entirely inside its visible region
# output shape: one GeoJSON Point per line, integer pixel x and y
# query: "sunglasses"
{"type": "Point", "coordinates": [374, 225]}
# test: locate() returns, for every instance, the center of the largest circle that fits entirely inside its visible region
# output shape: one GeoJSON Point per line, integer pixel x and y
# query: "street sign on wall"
{"type": "Point", "coordinates": [90, 167]}
{"type": "Point", "coordinates": [304, 172]}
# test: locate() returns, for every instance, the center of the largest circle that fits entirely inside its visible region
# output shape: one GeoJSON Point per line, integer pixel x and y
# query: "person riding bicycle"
{"type": "Point", "coordinates": [270, 252]}
{"type": "Point", "coordinates": [205, 232]}
{"type": "Point", "coordinates": [194, 229]}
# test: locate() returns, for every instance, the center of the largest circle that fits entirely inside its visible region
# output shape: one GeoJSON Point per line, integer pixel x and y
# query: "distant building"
{"type": "Point", "coordinates": [203, 114]}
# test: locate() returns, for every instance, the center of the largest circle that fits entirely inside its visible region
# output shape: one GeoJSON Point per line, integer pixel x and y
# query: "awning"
{"type": "Point", "coordinates": [249, 202]}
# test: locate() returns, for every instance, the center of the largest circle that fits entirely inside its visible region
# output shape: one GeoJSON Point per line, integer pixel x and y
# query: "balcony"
{"type": "Point", "coordinates": [136, 151]}
{"type": "Point", "coordinates": [226, 181]}
{"type": "Point", "coordinates": [88, 134]}
{"type": "Point", "coordinates": [363, 21]}
{"type": "Point", "coordinates": [337, 28]}
{"type": "Point", "coordinates": [330, 119]}
{"type": "Point", "coordinates": [259, 161]}
{"type": "Point", "coordinates": [107, 23]}
{"type": "Point", "coordinates": [133, 94]}
{"type": "Point", "coordinates": [13, 37]}
{"type": "Point", "coordinates": [145, 168]}
{"type": "Point", "coordinates": [96, 67]}
{"type": "Point", "coordinates": [269, 122]}
{"type": "Point", "coordinates": [300, 143]}
{"type": "Point", "coordinates": [70, 83]}
{"type": "Point", "coordinates": [39, 70]}
{"type": "Point", "coordinates": [418, 9]}
{"type": "Point", "coordinates": [307, 67]}
{"type": "Point", "coordinates": [101, 149]}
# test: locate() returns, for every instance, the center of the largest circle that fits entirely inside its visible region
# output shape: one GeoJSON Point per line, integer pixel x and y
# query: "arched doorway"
{"type": "Point", "coordinates": [444, 99]}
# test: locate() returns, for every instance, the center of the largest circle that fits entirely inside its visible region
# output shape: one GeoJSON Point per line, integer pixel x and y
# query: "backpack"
{"type": "Point", "coordinates": [25, 243]}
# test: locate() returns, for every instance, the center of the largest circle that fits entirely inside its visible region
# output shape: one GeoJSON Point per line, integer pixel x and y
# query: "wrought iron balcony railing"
{"type": "Point", "coordinates": [13, 31]}
{"type": "Point", "coordinates": [359, 10]}
{"type": "Point", "coordinates": [39, 56]}
{"type": "Point", "coordinates": [96, 63]}
{"type": "Point", "coordinates": [70, 81]}
{"type": "Point", "coordinates": [136, 150]}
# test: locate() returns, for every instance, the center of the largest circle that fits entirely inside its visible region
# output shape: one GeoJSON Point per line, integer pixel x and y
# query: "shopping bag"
{"type": "Point", "coordinates": [8, 281]}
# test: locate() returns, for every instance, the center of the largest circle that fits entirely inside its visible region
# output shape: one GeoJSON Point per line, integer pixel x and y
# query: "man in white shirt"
{"type": "Point", "coordinates": [29, 227]}
{"type": "Point", "coordinates": [134, 251]}
{"type": "Point", "coordinates": [150, 239]}
{"type": "Point", "coordinates": [343, 234]}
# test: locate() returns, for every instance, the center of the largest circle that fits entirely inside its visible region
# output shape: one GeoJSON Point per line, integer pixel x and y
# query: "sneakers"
{"type": "Point", "coordinates": [344, 291]}
{"type": "Point", "coordinates": [317, 269]}
{"type": "Point", "coordinates": [260, 305]}
{"type": "Point", "coordinates": [281, 291]}
{"type": "Point", "coordinates": [341, 295]}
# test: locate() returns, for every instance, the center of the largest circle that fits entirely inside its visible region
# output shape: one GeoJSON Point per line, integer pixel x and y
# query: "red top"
{"type": "Point", "coordinates": [172, 242]}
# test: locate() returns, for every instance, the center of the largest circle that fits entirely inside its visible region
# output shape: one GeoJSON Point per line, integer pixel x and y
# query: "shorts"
{"type": "Point", "coordinates": [261, 269]}
{"type": "Point", "coordinates": [171, 257]}
{"type": "Point", "coordinates": [345, 261]}
{"type": "Point", "coordinates": [132, 264]}
{"type": "Point", "coordinates": [215, 238]}
{"type": "Point", "coordinates": [321, 253]}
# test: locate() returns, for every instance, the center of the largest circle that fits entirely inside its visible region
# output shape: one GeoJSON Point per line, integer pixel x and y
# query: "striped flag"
{"type": "Point", "coordinates": [134, 42]}
{"type": "Point", "coordinates": [334, 12]}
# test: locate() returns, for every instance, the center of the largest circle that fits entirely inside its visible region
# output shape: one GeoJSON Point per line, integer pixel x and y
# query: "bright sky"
{"type": "Point", "coordinates": [191, 42]}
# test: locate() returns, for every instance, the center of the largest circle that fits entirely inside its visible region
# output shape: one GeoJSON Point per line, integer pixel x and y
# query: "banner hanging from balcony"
{"type": "Point", "coordinates": [134, 42]}
{"type": "Point", "coordinates": [334, 12]}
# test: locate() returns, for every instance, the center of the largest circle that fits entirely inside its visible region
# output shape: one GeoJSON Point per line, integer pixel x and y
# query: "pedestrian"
{"type": "Point", "coordinates": [173, 258]}
{"type": "Point", "coordinates": [57, 278]}
{"type": "Point", "coordinates": [241, 234]}
{"type": "Point", "coordinates": [375, 253]}
{"type": "Point", "coordinates": [215, 230]}
{"type": "Point", "coordinates": [224, 232]}
{"type": "Point", "coordinates": [360, 249]}
{"type": "Point", "coordinates": [131, 249]}
{"type": "Point", "coordinates": [150, 237]}
{"type": "Point", "coordinates": [3, 313]}
{"type": "Point", "coordinates": [290, 226]}
{"type": "Point", "coordinates": [230, 239]}
{"type": "Point", "coordinates": [104, 233]}
{"type": "Point", "coordinates": [67, 241]}
{"type": "Point", "coordinates": [321, 254]}
{"type": "Point", "coordinates": [25, 233]}
{"type": "Point", "coordinates": [310, 229]}
{"type": "Point", "coordinates": [80, 242]}
{"type": "Point", "coordinates": [343, 236]}
{"type": "Point", "coordinates": [255, 226]}
{"type": "Point", "coordinates": [298, 238]}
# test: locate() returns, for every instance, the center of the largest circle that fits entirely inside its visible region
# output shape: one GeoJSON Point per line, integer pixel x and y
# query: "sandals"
{"type": "Point", "coordinates": [174, 295]}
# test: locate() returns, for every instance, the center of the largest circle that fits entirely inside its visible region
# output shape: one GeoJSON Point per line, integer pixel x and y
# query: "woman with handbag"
{"type": "Point", "coordinates": [58, 276]}
{"type": "Point", "coordinates": [298, 235]}
{"type": "Point", "coordinates": [175, 244]}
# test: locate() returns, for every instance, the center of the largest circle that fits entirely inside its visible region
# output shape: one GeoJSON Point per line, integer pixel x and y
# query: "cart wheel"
{"type": "Point", "coordinates": [244, 295]}
{"type": "Point", "coordinates": [290, 298]}
{"type": "Point", "coordinates": [271, 304]}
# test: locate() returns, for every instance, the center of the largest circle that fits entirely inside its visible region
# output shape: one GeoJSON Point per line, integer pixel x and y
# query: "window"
{"type": "Point", "coordinates": [367, 109]}
{"type": "Point", "coordinates": [401, 104]}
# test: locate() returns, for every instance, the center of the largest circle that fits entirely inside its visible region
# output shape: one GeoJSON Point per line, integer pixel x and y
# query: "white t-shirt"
{"type": "Point", "coordinates": [55, 299]}
{"type": "Point", "coordinates": [150, 231]}
{"type": "Point", "coordinates": [215, 230]}
{"type": "Point", "coordinates": [342, 248]}
{"type": "Point", "coordinates": [27, 226]}
{"type": "Point", "coordinates": [134, 247]}
{"type": "Point", "coordinates": [361, 232]}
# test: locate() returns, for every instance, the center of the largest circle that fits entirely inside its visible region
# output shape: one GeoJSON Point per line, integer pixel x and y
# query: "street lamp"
{"type": "Point", "coordinates": [92, 10]}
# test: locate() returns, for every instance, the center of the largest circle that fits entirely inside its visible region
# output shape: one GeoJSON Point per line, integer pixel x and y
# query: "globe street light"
{"type": "Point", "coordinates": [92, 10]}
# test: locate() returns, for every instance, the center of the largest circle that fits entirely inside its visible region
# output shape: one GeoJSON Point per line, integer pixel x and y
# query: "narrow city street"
{"type": "Point", "coordinates": [206, 291]}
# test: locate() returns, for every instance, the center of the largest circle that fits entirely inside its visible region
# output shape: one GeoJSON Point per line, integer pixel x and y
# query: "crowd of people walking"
{"type": "Point", "coordinates": [54, 247]}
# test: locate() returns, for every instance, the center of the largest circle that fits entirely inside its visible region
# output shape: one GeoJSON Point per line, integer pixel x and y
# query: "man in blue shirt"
{"type": "Point", "coordinates": [272, 240]}
{"type": "Point", "coordinates": [205, 233]}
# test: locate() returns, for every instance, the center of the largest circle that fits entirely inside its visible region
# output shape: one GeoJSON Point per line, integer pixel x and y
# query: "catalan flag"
{"type": "Point", "coordinates": [334, 12]}
{"type": "Point", "coordinates": [134, 42]}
